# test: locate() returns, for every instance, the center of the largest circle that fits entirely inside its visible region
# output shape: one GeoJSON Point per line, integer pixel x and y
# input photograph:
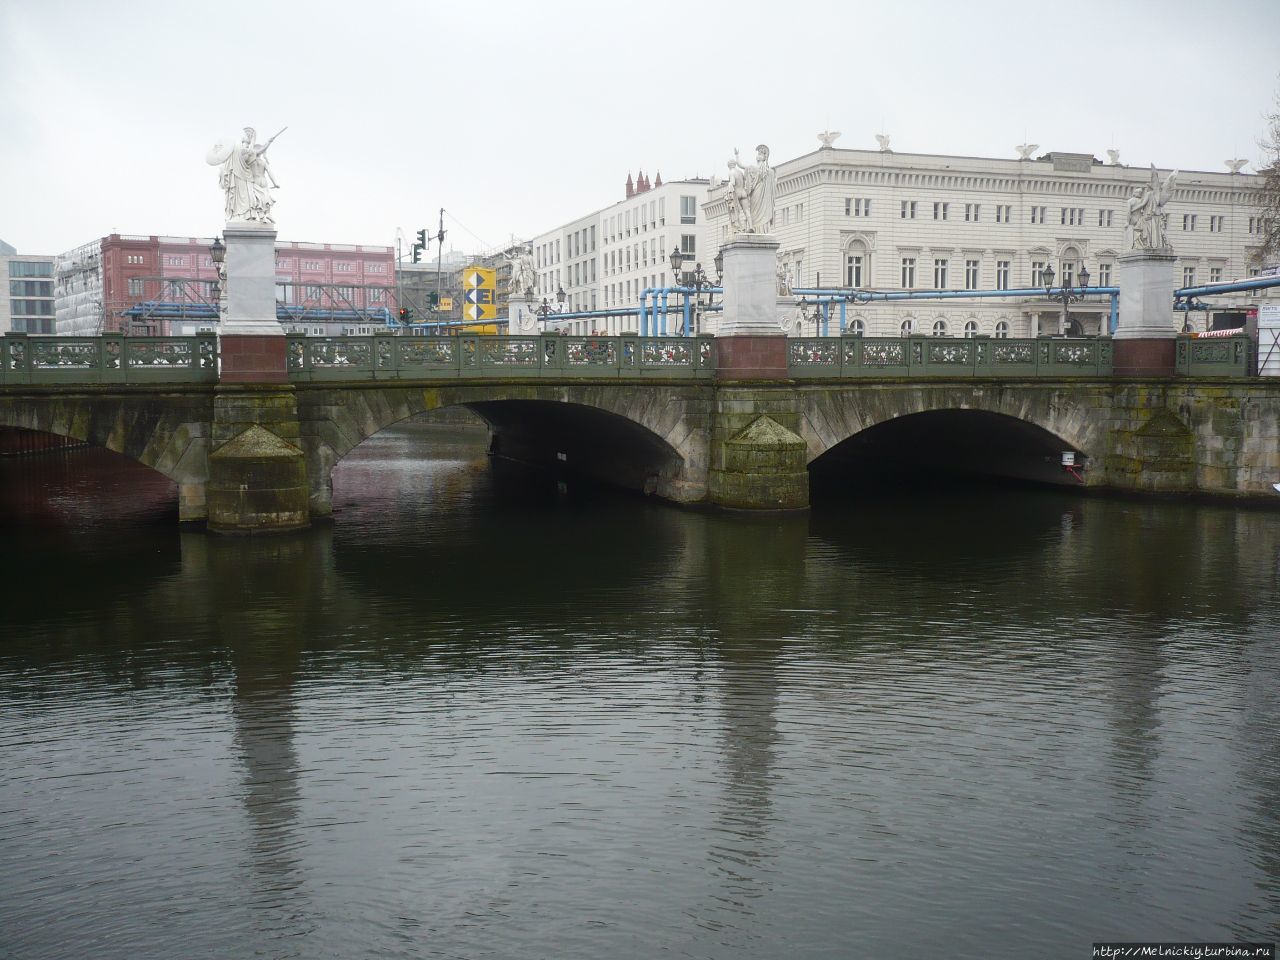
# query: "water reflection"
{"type": "Point", "coordinates": [478, 714]}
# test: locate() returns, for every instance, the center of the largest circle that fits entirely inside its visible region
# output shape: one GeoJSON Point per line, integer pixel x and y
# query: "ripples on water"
{"type": "Point", "coordinates": [482, 716]}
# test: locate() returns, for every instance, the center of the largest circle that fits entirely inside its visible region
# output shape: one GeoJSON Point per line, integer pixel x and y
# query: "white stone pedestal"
{"type": "Point", "coordinates": [250, 306]}
{"type": "Point", "coordinates": [750, 283]}
{"type": "Point", "coordinates": [1146, 281]}
{"type": "Point", "coordinates": [522, 317]}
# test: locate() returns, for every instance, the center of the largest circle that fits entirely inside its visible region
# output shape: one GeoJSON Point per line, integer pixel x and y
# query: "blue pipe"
{"type": "Point", "coordinates": [844, 318]}
{"type": "Point", "coordinates": [868, 296]}
{"type": "Point", "coordinates": [1115, 314]}
{"type": "Point", "coordinates": [1258, 283]}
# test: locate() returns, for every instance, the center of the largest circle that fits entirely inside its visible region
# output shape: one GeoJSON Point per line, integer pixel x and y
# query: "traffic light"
{"type": "Point", "coordinates": [434, 299]}
{"type": "Point", "coordinates": [406, 315]}
{"type": "Point", "coordinates": [417, 253]}
{"type": "Point", "coordinates": [422, 239]}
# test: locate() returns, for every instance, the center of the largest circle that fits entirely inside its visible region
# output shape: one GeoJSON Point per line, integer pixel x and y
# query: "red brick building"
{"type": "Point", "coordinates": [97, 282]}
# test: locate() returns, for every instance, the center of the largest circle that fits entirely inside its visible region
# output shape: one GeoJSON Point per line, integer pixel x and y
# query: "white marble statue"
{"type": "Point", "coordinates": [1025, 150]}
{"type": "Point", "coordinates": [828, 137]}
{"type": "Point", "coordinates": [784, 280]}
{"type": "Point", "coordinates": [245, 177]}
{"type": "Point", "coordinates": [1146, 226]}
{"type": "Point", "coordinates": [883, 140]}
{"type": "Point", "coordinates": [523, 279]}
{"type": "Point", "coordinates": [1235, 166]}
{"type": "Point", "coordinates": [751, 193]}
{"type": "Point", "coordinates": [1113, 156]}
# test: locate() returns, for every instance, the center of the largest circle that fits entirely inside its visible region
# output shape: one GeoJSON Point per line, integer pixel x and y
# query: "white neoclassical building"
{"type": "Point", "coordinates": [607, 258]}
{"type": "Point", "coordinates": [888, 221]}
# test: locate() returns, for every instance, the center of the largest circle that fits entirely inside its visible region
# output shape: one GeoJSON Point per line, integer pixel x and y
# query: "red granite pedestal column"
{"type": "Point", "coordinates": [253, 359]}
{"type": "Point", "coordinates": [748, 357]}
{"type": "Point", "coordinates": [1144, 357]}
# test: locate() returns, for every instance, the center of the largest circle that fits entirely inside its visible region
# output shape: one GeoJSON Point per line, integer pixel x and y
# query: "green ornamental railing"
{"type": "Point", "coordinates": [110, 358]}
{"type": "Point", "coordinates": [453, 357]}
{"type": "Point", "coordinates": [919, 356]}
{"type": "Point", "coordinates": [1212, 356]}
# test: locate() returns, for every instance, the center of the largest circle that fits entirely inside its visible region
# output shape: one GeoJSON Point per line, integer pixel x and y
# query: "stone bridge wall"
{"type": "Point", "coordinates": [734, 444]}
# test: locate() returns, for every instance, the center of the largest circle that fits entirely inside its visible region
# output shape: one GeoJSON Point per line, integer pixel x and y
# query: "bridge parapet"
{"type": "Point", "coordinates": [108, 359]}
{"type": "Point", "coordinates": [1212, 356]}
{"type": "Point", "coordinates": [460, 357]}
{"type": "Point", "coordinates": [920, 356]}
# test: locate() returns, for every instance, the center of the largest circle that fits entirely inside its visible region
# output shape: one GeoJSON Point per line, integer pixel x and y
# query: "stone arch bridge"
{"type": "Point", "coordinates": [260, 456]}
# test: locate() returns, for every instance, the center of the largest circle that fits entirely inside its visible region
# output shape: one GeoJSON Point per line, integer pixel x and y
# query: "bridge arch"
{"type": "Point", "coordinates": [1042, 420]}
{"type": "Point", "coordinates": [641, 436]}
{"type": "Point", "coordinates": [168, 433]}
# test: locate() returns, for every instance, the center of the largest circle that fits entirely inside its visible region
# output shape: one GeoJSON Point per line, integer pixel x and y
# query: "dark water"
{"type": "Point", "coordinates": [483, 717]}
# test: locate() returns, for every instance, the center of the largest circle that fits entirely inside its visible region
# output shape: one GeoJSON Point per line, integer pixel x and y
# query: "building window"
{"type": "Point", "coordinates": [1104, 274]}
{"type": "Point", "coordinates": [1004, 213]}
{"type": "Point", "coordinates": [1037, 273]}
{"type": "Point", "coordinates": [939, 328]}
{"type": "Point", "coordinates": [971, 274]}
{"type": "Point", "coordinates": [1037, 214]}
{"type": "Point", "coordinates": [1072, 216]}
{"type": "Point", "coordinates": [970, 329]}
{"type": "Point", "coordinates": [908, 210]}
{"type": "Point", "coordinates": [853, 270]}
{"type": "Point", "coordinates": [1068, 278]}
{"type": "Point", "coordinates": [345, 293]}
{"type": "Point", "coordinates": [30, 268]}
{"type": "Point", "coordinates": [1002, 329]}
{"type": "Point", "coordinates": [135, 287]}
{"type": "Point", "coordinates": [940, 210]}
{"type": "Point", "coordinates": [688, 244]}
{"type": "Point", "coordinates": [311, 293]}
{"type": "Point", "coordinates": [688, 210]}
{"type": "Point", "coordinates": [940, 274]}
{"type": "Point", "coordinates": [133, 258]}
{"type": "Point", "coordinates": [908, 272]}
{"type": "Point", "coordinates": [1215, 224]}
{"type": "Point", "coordinates": [1104, 218]}
{"type": "Point", "coordinates": [1002, 274]}
{"type": "Point", "coordinates": [1215, 274]}
{"type": "Point", "coordinates": [1188, 276]}
{"type": "Point", "coordinates": [858, 328]}
{"type": "Point", "coordinates": [1188, 221]}
{"type": "Point", "coordinates": [972, 212]}
{"type": "Point", "coordinates": [906, 327]}
{"type": "Point", "coordinates": [311, 265]}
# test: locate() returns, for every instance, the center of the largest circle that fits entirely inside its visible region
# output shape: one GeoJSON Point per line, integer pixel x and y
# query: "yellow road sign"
{"type": "Point", "coordinates": [479, 294]}
{"type": "Point", "coordinates": [446, 303]}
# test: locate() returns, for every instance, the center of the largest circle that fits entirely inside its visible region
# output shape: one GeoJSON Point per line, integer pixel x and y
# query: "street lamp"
{"type": "Point", "coordinates": [546, 310]}
{"type": "Point", "coordinates": [218, 253]}
{"type": "Point", "coordinates": [699, 281]}
{"type": "Point", "coordinates": [1066, 295]}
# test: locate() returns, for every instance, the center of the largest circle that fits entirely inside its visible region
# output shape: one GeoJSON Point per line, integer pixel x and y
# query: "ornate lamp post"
{"type": "Point", "coordinates": [218, 253]}
{"type": "Point", "coordinates": [546, 310]}
{"type": "Point", "coordinates": [1066, 295]}
{"type": "Point", "coordinates": [699, 281]}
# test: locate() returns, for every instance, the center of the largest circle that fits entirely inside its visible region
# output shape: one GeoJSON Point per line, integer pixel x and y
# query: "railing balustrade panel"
{"type": "Point", "coordinates": [1212, 356]}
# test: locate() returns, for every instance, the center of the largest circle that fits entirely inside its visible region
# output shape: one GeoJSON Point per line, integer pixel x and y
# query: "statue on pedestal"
{"type": "Point", "coordinates": [751, 193]}
{"type": "Point", "coordinates": [1147, 225]}
{"type": "Point", "coordinates": [245, 177]}
{"type": "Point", "coordinates": [523, 279]}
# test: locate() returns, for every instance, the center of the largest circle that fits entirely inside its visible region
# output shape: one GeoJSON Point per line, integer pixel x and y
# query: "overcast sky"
{"type": "Point", "coordinates": [516, 117]}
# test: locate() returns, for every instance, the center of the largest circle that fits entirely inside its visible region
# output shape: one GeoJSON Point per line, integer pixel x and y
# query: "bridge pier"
{"type": "Point", "coordinates": [257, 469]}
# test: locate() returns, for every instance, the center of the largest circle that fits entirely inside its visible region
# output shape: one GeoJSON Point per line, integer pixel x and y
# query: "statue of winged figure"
{"type": "Point", "coordinates": [1147, 224]}
{"type": "Point", "coordinates": [245, 176]}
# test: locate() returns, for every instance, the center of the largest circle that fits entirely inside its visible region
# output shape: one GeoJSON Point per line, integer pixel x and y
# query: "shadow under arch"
{"type": "Point", "coordinates": [581, 440]}
{"type": "Point", "coordinates": [926, 445]}
{"type": "Point", "coordinates": [167, 437]}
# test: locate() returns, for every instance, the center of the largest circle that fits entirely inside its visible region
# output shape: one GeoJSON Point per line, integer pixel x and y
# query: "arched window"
{"type": "Point", "coordinates": [939, 327]}
{"type": "Point", "coordinates": [907, 327]}
{"type": "Point", "coordinates": [858, 327]}
{"type": "Point", "coordinates": [857, 264]}
{"type": "Point", "coordinates": [1002, 329]}
{"type": "Point", "coordinates": [970, 329]}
